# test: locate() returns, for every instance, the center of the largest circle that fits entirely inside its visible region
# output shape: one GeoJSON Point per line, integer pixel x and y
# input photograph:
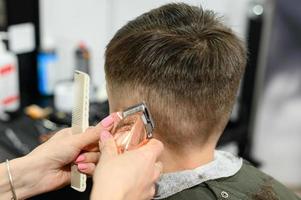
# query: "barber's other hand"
{"type": "Point", "coordinates": [129, 176]}
{"type": "Point", "coordinates": [49, 164]}
{"type": "Point", "coordinates": [47, 167]}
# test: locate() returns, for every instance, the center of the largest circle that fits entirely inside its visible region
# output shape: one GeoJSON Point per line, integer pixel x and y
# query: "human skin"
{"type": "Point", "coordinates": [191, 156]}
{"type": "Point", "coordinates": [47, 167]}
{"type": "Point", "coordinates": [128, 176]}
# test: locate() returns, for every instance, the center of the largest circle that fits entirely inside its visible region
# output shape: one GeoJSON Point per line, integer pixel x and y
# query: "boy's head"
{"type": "Point", "coordinates": [185, 64]}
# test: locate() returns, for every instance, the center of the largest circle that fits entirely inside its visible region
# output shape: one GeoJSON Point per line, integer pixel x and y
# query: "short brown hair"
{"type": "Point", "coordinates": [184, 63]}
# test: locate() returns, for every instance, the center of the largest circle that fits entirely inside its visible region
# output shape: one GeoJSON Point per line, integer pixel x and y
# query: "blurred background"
{"type": "Point", "coordinates": [44, 41]}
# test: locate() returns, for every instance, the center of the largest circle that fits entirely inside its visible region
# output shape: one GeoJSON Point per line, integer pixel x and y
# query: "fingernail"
{"type": "Point", "coordinates": [82, 166]}
{"type": "Point", "coordinates": [105, 135]}
{"type": "Point", "coordinates": [106, 122]}
{"type": "Point", "coordinates": [80, 158]}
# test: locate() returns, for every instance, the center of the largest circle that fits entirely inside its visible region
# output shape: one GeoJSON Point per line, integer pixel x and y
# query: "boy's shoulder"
{"type": "Point", "coordinates": [247, 183]}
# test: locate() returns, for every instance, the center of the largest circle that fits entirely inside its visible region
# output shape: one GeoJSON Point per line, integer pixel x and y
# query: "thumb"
{"type": "Point", "coordinates": [90, 136]}
{"type": "Point", "coordinates": [107, 146]}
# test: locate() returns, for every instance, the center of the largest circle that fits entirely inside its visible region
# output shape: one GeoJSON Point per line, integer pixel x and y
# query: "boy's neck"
{"type": "Point", "coordinates": [188, 159]}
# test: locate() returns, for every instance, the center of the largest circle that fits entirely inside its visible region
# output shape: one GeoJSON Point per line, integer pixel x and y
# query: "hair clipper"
{"type": "Point", "coordinates": [134, 128]}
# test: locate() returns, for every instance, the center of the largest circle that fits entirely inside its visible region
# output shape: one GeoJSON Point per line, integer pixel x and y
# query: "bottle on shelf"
{"type": "Point", "coordinates": [82, 58]}
{"type": "Point", "coordinates": [47, 64]}
{"type": "Point", "coordinates": [9, 80]}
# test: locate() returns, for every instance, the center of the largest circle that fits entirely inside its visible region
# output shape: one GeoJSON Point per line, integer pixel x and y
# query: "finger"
{"type": "Point", "coordinates": [157, 171]}
{"type": "Point", "coordinates": [107, 146]}
{"type": "Point", "coordinates": [86, 168]}
{"type": "Point", "coordinates": [108, 122]}
{"type": "Point", "coordinates": [88, 157]}
{"type": "Point", "coordinates": [91, 135]}
{"type": "Point", "coordinates": [92, 147]}
{"type": "Point", "coordinates": [154, 146]}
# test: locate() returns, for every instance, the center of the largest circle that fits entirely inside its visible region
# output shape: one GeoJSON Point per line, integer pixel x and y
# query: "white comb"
{"type": "Point", "coordinates": [80, 122]}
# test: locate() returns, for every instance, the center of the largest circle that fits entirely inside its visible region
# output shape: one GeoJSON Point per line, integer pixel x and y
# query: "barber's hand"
{"type": "Point", "coordinates": [86, 160]}
{"type": "Point", "coordinates": [129, 176]}
{"type": "Point", "coordinates": [47, 167]}
{"type": "Point", "coordinates": [53, 158]}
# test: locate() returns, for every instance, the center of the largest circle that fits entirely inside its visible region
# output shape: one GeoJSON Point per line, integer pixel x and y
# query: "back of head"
{"type": "Point", "coordinates": [184, 63]}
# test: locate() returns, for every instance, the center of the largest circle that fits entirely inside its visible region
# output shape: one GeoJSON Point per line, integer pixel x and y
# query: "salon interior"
{"type": "Point", "coordinates": [44, 41]}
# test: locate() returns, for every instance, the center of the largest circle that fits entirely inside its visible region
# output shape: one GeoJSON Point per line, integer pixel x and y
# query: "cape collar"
{"type": "Point", "coordinates": [224, 165]}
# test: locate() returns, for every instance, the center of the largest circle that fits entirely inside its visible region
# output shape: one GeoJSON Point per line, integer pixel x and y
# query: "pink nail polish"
{"type": "Point", "coordinates": [106, 122]}
{"type": "Point", "coordinates": [82, 166]}
{"type": "Point", "coordinates": [105, 135]}
{"type": "Point", "coordinates": [80, 158]}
